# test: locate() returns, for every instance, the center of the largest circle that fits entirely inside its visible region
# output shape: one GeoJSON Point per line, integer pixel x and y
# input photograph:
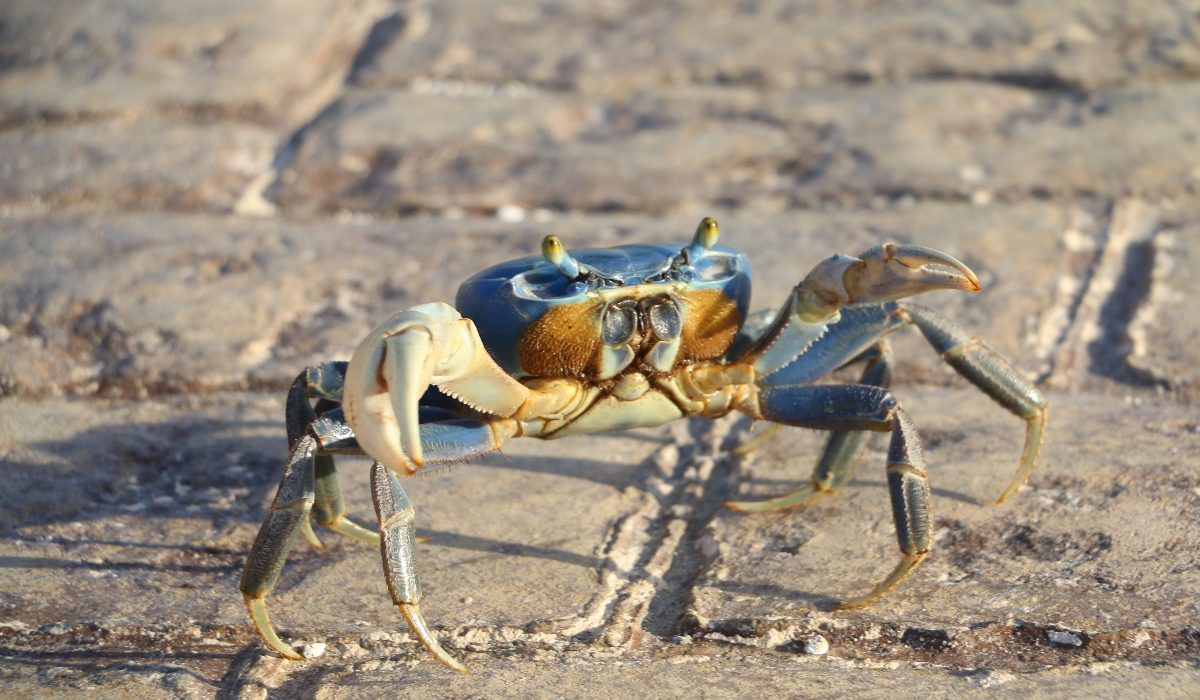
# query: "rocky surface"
{"type": "Point", "coordinates": [199, 199]}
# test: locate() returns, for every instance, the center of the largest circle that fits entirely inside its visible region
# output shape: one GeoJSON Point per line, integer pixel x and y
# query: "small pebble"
{"type": "Point", "coordinates": [510, 213]}
{"type": "Point", "coordinates": [313, 651]}
{"type": "Point", "coordinates": [1065, 639]}
{"type": "Point", "coordinates": [816, 645]}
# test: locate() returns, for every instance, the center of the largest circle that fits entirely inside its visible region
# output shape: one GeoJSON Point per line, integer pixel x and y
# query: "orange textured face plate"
{"type": "Point", "coordinates": [710, 322]}
{"type": "Point", "coordinates": [563, 342]}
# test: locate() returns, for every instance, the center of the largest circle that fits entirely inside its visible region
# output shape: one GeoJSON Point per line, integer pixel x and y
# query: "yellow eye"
{"type": "Point", "coordinates": [707, 233]}
{"type": "Point", "coordinates": [552, 250]}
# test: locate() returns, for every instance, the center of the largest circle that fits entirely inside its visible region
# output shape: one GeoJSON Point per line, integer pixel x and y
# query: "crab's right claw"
{"type": "Point", "coordinates": [384, 382]}
{"type": "Point", "coordinates": [430, 344]}
{"type": "Point", "coordinates": [892, 271]}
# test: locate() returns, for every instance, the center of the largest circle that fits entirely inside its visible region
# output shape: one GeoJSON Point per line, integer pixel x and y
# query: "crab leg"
{"type": "Point", "coordinates": [293, 501]}
{"type": "Point", "coordinates": [329, 508]}
{"type": "Point", "coordinates": [846, 342]}
{"type": "Point", "coordinates": [399, 550]}
{"type": "Point", "coordinates": [856, 407]}
{"type": "Point", "coordinates": [855, 336]}
{"type": "Point", "coordinates": [306, 490]}
{"type": "Point", "coordinates": [993, 375]}
{"type": "Point", "coordinates": [843, 450]}
{"type": "Point", "coordinates": [908, 485]}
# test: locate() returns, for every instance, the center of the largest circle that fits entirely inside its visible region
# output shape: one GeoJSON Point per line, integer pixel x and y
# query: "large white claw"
{"type": "Point", "coordinates": [399, 360]}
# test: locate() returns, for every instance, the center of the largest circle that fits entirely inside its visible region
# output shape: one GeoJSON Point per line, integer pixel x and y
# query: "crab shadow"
{"type": "Point", "coordinates": [162, 666]}
{"type": "Point", "coordinates": [217, 469]}
{"type": "Point", "coordinates": [119, 484]}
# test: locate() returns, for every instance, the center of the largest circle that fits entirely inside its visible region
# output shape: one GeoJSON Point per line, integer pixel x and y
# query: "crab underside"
{"type": "Point", "coordinates": [608, 341]}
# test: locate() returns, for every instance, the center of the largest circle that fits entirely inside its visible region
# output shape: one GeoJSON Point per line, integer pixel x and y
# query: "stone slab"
{"type": "Point", "coordinates": [153, 162]}
{"type": "Point", "coordinates": [711, 673]}
{"type": "Point", "coordinates": [1052, 147]}
{"type": "Point", "coordinates": [122, 577]}
{"type": "Point", "coordinates": [129, 305]}
{"type": "Point", "coordinates": [423, 149]}
{"type": "Point", "coordinates": [126, 525]}
{"type": "Point", "coordinates": [274, 62]}
{"type": "Point", "coordinates": [622, 46]}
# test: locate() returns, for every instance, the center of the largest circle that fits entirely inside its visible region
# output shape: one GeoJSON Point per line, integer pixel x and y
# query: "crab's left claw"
{"type": "Point", "coordinates": [893, 271]}
{"type": "Point", "coordinates": [430, 344]}
{"type": "Point", "coordinates": [886, 273]}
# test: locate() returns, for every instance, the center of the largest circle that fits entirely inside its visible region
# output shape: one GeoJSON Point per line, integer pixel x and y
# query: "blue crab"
{"type": "Point", "coordinates": [612, 339]}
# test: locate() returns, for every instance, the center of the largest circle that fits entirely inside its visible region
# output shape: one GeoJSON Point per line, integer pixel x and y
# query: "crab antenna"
{"type": "Point", "coordinates": [556, 254]}
{"type": "Point", "coordinates": [706, 237]}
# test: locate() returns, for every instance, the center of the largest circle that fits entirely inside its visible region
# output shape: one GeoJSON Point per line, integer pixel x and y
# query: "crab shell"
{"type": "Point", "coordinates": [536, 322]}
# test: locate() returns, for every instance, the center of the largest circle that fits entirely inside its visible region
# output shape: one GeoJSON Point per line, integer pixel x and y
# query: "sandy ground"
{"type": "Point", "coordinates": [198, 199]}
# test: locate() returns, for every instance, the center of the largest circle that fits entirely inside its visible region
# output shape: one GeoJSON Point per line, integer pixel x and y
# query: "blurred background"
{"type": "Point", "coordinates": [198, 199]}
{"type": "Point", "coordinates": [215, 146]}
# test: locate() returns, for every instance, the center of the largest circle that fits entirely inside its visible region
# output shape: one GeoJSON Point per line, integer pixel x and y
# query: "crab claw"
{"type": "Point", "coordinates": [430, 344]}
{"type": "Point", "coordinates": [886, 273]}
{"type": "Point", "coordinates": [891, 271]}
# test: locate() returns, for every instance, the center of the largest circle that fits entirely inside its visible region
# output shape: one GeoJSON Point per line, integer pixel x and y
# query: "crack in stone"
{"type": "Point", "coordinates": [1115, 308]}
{"type": "Point", "coordinates": [1160, 296]}
{"type": "Point", "coordinates": [643, 557]}
{"type": "Point", "coordinates": [326, 100]}
{"type": "Point", "coordinates": [1082, 242]}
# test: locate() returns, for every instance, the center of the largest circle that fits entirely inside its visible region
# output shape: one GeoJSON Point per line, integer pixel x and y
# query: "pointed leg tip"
{"type": "Point", "coordinates": [1007, 494]}
{"type": "Point", "coordinates": [751, 506]}
{"type": "Point", "coordinates": [859, 602]}
{"type": "Point", "coordinates": [258, 613]}
{"type": "Point", "coordinates": [785, 502]}
{"type": "Point", "coordinates": [416, 623]}
{"type": "Point", "coordinates": [313, 541]}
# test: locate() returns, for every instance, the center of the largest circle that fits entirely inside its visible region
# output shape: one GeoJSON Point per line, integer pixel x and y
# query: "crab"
{"type": "Point", "coordinates": [612, 339]}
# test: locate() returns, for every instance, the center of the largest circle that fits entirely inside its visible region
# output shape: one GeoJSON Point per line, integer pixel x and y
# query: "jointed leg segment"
{"type": "Point", "coordinates": [852, 409]}
{"type": "Point", "coordinates": [843, 450]}
{"type": "Point", "coordinates": [993, 375]}
{"type": "Point", "coordinates": [329, 509]}
{"type": "Point", "coordinates": [289, 511]}
{"type": "Point", "coordinates": [399, 550]}
{"type": "Point", "coordinates": [309, 488]}
{"type": "Point", "coordinates": [908, 486]}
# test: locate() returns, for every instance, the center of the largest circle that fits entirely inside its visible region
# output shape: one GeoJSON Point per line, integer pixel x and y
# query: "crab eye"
{"type": "Point", "coordinates": [665, 320]}
{"type": "Point", "coordinates": [619, 323]}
